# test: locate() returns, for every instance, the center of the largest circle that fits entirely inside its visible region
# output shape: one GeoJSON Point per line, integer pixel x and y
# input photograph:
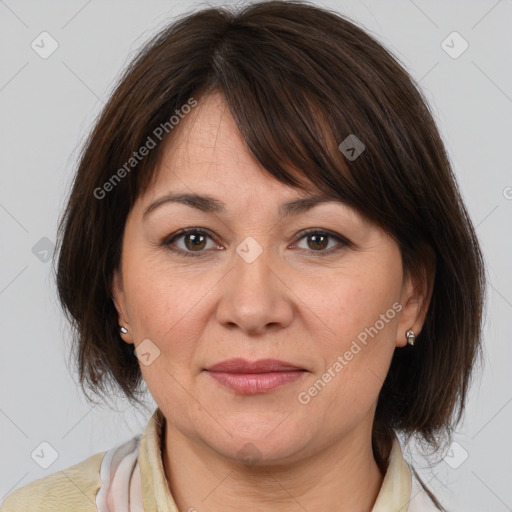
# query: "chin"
{"type": "Point", "coordinates": [252, 445]}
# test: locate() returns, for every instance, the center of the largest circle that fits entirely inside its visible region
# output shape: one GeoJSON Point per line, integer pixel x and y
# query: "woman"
{"type": "Point", "coordinates": [265, 230]}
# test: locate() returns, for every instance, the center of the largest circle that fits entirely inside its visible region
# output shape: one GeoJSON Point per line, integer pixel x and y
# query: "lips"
{"type": "Point", "coordinates": [247, 378]}
{"type": "Point", "coordinates": [239, 365]}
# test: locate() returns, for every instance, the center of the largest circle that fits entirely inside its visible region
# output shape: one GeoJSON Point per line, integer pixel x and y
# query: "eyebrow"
{"type": "Point", "coordinates": [209, 204]}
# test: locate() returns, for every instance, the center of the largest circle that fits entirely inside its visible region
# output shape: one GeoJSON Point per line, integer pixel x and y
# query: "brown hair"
{"type": "Point", "coordinates": [298, 80]}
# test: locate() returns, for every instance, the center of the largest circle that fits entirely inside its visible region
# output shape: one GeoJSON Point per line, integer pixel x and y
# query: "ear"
{"type": "Point", "coordinates": [416, 295]}
{"type": "Point", "coordinates": [119, 299]}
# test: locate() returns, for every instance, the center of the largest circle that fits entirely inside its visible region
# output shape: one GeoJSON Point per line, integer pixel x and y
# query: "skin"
{"type": "Point", "coordinates": [290, 303]}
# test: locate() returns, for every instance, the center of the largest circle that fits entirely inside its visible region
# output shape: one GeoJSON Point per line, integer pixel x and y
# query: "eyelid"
{"type": "Point", "coordinates": [332, 234]}
{"type": "Point", "coordinates": [185, 231]}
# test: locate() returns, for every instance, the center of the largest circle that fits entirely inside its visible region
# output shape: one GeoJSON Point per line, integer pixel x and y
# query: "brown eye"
{"type": "Point", "coordinates": [194, 241]}
{"type": "Point", "coordinates": [318, 241]}
{"type": "Point", "coordinates": [190, 242]}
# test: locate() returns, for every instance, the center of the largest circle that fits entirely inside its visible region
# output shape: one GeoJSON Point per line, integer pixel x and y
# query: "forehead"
{"type": "Point", "coordinates": [209, 137]}
{"type": "Point", "coordinates": [207, 157]}
{"type": "Point", "coordinates": [208, 149]}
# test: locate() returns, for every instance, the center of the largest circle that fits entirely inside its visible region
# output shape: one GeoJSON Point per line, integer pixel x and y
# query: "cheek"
{"type": "Point", "coordinates": [356, 351]}
{"type": "Point", "coordinates": [159, 293]}
{"type": "Point", "coordinates": [352, 305]}
{"type": "Point", "coordinates": [170, 305]}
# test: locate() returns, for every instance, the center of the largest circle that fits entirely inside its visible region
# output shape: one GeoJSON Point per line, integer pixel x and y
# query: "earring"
{"type": "Point", "coordinates": [410, 336]}
{"type": "Point", "coordinates": [123, 330]}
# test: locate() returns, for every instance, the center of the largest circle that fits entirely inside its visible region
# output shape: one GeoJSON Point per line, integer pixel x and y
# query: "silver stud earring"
{"type": "Point", "coordinates": [123, 330]}
{"type": "Point", "coordinates": [410, 336]}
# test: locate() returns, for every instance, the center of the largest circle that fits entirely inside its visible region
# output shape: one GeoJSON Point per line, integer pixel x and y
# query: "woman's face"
{"type": "Point", "coordinates": [252, 285]}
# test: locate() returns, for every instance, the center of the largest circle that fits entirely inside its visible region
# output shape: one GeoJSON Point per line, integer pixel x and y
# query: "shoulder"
{"type": "Point", "coordinates": [73, 488]}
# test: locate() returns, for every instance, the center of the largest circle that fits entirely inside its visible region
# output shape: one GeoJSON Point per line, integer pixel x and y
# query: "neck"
{"type": "Point", "coordinates": [343, 478]}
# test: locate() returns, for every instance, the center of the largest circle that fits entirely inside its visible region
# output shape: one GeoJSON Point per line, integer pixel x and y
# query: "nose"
{"type": "Point", "coordinates": [254, 296]}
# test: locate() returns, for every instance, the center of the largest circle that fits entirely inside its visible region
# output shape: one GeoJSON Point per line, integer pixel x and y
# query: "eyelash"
{"type": "Point", "coordinates": [343, 242]}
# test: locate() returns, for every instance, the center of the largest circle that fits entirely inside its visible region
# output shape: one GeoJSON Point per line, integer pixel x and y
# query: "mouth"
{"type": "Point", "coordinates": [245, 377]}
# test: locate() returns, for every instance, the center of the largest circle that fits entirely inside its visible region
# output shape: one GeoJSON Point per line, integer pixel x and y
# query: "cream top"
{"type": "Point", "coordinates": [130, 478]}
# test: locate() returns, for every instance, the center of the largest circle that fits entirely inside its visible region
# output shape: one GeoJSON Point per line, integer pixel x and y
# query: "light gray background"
{"type": "Point", "coordinates": [47, 107]}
